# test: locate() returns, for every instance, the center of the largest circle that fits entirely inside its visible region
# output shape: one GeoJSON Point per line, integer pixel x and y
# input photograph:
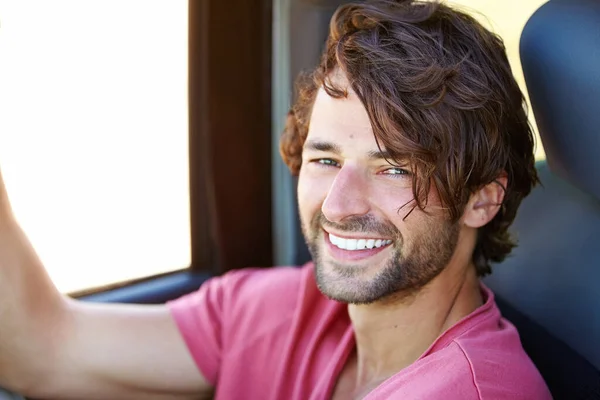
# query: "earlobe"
{"type": "Point", "coordinates": [485, 203]}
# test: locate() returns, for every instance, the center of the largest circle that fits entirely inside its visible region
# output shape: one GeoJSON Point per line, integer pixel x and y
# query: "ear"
{"type": "Point", "coordinates": [485, 203]}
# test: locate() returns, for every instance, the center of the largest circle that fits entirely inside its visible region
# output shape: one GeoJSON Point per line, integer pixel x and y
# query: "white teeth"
{"type": "Point", "coordinates": [357, 244]}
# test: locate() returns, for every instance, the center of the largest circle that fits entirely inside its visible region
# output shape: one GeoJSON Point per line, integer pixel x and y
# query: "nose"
{"type": "Point", "coordinates": [347, 196]}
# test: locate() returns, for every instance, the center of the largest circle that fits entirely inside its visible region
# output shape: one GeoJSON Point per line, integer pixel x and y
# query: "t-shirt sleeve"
{"type": "Point", "coordinates": [200, 318]}
{"type": "Point", "coordinates": [220, 318]}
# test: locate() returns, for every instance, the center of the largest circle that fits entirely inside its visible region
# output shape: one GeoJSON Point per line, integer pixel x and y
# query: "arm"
{"type": "Point", "coordinates": [55, 347]}
{"type": "Point", "coordinates": [123, 351]}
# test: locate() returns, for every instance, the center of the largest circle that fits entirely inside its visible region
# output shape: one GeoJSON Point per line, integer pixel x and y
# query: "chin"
{"type": "Point", "coordinates": [353, 284]}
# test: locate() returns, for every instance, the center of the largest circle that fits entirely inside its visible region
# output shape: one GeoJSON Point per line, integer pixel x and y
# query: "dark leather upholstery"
{"type": "Point", "coordinates": [550, 286]}
{"type": "Point", "coordinates": [560, 53]}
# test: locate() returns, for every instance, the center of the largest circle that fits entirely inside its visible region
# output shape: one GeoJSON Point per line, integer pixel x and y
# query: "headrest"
{"type": "Point", "coordinates": [560, 54]}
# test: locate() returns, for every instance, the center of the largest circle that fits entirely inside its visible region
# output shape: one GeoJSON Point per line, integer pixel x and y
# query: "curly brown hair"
{"type": "Point", "coordinates": [440, 95]}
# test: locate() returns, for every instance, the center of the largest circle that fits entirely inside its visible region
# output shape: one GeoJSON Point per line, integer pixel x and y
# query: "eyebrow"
{"type": "Point", "coordinates": [379, 155]}
{"type": "Point", "coordinates": [319, 145]}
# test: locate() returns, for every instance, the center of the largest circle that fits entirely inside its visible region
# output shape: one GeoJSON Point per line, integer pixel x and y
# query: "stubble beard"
{"type": "Point", "coordinates": [409, 268]}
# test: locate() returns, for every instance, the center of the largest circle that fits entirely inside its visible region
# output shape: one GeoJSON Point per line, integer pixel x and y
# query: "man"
{"type": "Point", "coordinates": [413, 153]}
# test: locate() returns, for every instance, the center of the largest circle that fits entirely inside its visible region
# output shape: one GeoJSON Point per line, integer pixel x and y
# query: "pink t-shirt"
{"type": "Point", "coordinates": [271, 334]}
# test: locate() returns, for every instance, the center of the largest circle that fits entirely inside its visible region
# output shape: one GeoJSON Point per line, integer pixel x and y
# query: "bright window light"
{"type": "Point", "coordinates": [94, 135]}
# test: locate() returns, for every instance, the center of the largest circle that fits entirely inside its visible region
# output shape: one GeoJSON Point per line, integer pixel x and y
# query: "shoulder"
{"type": "Point", "coordinates": [499, 366]}
{"type": "Point", "coordinates": [249, 290]}
{"type": "Point", "coordinates": [444, 374]}
{"type": "Point", "coordinates": [236, 310]}
{"type": "Point", "coordinates": [491, 347]}
{"type": "Point", "coordinates": [461, 372]}
{"type": "Point", "coordinates": [478, 358]}
{"type": "Point", "coordinates": [265, 292]}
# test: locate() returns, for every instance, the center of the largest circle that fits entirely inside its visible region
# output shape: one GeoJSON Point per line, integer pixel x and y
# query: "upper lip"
{"type": "Point", "coordinates": [356, 235]}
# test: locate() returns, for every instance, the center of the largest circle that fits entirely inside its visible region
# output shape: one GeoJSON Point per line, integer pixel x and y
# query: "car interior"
{"type": "Point", "coordinates": [548, 287]}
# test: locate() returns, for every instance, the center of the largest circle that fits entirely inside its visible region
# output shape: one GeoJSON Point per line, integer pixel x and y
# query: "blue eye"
{"type": "Point", "coordinates": [396, 171]}
{"type": "Point", "coordinates": [327, 161]}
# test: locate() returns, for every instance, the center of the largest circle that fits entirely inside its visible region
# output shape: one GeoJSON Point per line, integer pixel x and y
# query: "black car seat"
{"type": "Point", "coordinates": [550, 286]}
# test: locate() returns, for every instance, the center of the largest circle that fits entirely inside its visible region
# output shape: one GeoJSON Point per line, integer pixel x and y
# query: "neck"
{"type": "Point", "coordinates": [392, 335]}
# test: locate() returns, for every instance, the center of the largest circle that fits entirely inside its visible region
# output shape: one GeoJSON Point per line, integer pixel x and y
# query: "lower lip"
{"type": "Point", "coordinates": [351, 255]}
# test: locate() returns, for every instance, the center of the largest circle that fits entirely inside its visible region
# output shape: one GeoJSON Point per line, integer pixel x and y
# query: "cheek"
{"type": "Point", "coordinates": [312, 191]}
{"type": "Point", "coordinates": [393, 202]}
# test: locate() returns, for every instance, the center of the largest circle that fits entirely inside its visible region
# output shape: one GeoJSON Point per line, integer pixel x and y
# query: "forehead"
{"type": "Point", "coordinates": [341, 120]}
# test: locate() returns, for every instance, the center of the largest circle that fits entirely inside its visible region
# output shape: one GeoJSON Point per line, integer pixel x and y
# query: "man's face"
{"type": "Point", "coordinates": [350, 201]}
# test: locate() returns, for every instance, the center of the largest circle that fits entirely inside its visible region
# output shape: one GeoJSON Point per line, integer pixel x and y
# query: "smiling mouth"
{"type": "Point", "coordinates": [354, 244]}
